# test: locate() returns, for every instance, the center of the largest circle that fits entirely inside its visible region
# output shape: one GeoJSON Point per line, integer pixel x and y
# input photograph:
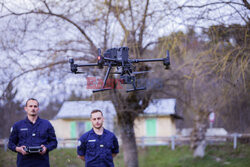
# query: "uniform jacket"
{"type": "Point", "coordinates": [98, 149]}
{"type": "Point", "coordinates": [26, 133]}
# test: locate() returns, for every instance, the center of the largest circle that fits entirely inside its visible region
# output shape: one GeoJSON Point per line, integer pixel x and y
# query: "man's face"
{"type": "Point", "coordinates": [32, 108]}
{"type": "Point", "coordinates": [97, 120]}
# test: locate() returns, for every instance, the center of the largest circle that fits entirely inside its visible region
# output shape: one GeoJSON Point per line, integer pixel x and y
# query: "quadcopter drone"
{"type": "Point", "coordinates": [118, 57]}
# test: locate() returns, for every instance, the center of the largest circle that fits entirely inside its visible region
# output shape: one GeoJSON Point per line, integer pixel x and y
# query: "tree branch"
{"type": "Point", "coordinates": [132, 16]}
{"type": "Point", "coordinates": [34, 69]}
{"type": "Point", "coordinates": [50, 13]}
{"type": "Point", "coordinates": [247, 5]}
{"type": "Point", "coordinates": [209, 4]}
{"type": "Point", "coordinates": [142, 29]}
{"type": "Point", "coordinates": [105, 43]}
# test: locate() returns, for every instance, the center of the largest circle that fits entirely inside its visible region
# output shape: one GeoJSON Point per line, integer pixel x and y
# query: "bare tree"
{"type": "Point", "coordinates": [50, 31]}
{"type": "Point", "coordinates": [130, 19]}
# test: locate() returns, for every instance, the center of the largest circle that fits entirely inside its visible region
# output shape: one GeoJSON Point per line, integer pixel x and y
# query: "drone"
{"type": "Point", "coordinates": [119, 58]}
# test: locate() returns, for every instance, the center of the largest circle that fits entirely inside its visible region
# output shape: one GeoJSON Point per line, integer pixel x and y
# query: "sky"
{"type": "Point", "coordinates": [52, 84]}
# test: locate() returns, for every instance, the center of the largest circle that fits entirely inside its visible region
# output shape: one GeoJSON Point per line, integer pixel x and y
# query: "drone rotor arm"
{"type": "Point", "coordinates": [87, 65]}
{"type": "Point", "coordinates": [140, 72]}
{"type": "Point", "coordinates": [146, 60]}
{"type": "Point", "coordinates": [100, 90]}
{"type": "Point", "coordinates": [166, 61]}
{"type": "Point", "coordinates": [74, 67]}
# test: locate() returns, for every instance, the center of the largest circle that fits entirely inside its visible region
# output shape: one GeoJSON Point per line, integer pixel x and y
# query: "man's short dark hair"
{"type": "Point", "coordinates": [95, 111]}
{"type": "Point", "coordinates": [31, 99]}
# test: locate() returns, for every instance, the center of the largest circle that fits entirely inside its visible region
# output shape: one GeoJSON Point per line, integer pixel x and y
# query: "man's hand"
{"type": "Point", "coordinates": [81, 157]}
{"type": "Point", "coordinates": [44, 150]}
{"type": "Point", "coordinates": [21, 150]}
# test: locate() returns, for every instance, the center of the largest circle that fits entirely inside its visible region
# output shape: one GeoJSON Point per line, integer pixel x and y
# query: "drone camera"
{"type": "Point", "coordinates": [127, 79]}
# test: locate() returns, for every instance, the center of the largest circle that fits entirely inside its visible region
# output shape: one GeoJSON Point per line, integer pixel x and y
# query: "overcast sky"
{"type": "Point", "coordinates": [41, 86]}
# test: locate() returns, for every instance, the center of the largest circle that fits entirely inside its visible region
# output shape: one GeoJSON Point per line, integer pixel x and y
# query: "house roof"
{"type": "Point", "coordinates": [161, 107]}
{"type": "Point", "coordinates": [82, 109]}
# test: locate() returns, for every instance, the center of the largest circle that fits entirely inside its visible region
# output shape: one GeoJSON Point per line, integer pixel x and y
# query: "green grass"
{"type": "Point", "coordinates": [157, 156]}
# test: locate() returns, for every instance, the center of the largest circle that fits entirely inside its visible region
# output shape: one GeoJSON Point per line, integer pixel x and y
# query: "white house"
{"type": "Point", "coordinates": [73, 119]}
{"type": "Point", "coordinates": [158, 119]}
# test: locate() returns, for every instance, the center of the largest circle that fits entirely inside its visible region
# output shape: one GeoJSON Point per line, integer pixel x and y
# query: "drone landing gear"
{"type": "Point", "coordinates": [105, 80]}
{"type": "Point", "coordinates": [135, 88]}
{"type": "Point", "coordinates": [131, 90]}
{"type": "Point", "coordinates": [100, 90]}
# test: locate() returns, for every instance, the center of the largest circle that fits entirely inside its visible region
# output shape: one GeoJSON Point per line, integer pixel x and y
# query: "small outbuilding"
{"type": "Point", "coordinates": [158, 120]}
{"type": "Point", "coordinates": [73, 119]}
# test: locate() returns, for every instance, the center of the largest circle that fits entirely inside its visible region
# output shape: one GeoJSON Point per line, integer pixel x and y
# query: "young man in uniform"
{"type": "Point", "coordinates": [30, 132]}
{"type": "Point", "coordinates": [98, 146]}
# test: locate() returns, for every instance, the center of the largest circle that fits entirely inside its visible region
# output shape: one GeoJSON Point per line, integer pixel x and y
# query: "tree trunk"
{"type": "Point", "coordinates": [126, 127]}
{"type": "Point", "coordinates": [198, 141]}
{"type": "Point", "coordinates": [128, 107]}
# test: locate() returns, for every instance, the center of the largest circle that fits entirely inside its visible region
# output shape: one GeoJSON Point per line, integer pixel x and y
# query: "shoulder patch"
{"type": "Point", "coordinates": [79, 143]}
{"type": "Point", "coordinates": [11, 129]}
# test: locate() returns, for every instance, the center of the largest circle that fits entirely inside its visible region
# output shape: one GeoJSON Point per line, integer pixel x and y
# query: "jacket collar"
{"type": "Point", "coordinates": [93, 132]}
{"type": "Point", "coordinates": [37, 121]}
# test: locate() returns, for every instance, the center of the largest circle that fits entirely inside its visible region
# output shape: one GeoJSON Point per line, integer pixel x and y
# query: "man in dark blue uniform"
{"type": "Point", "coordinates": [32, 131]}
{"type": "Point", "coordinates": [98, 146]}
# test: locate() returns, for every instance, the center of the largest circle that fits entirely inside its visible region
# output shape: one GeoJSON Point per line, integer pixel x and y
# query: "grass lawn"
{"type": "Point", "coordinates": [155, 156]}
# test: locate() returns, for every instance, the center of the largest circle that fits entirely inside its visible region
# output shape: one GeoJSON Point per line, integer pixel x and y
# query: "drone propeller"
{"type": "Point", "coordinates": [77, 72]}
{"type": "Point", "coordinates": [166, 61]}
{"type": "Point", "coordinates": [80, 72]}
